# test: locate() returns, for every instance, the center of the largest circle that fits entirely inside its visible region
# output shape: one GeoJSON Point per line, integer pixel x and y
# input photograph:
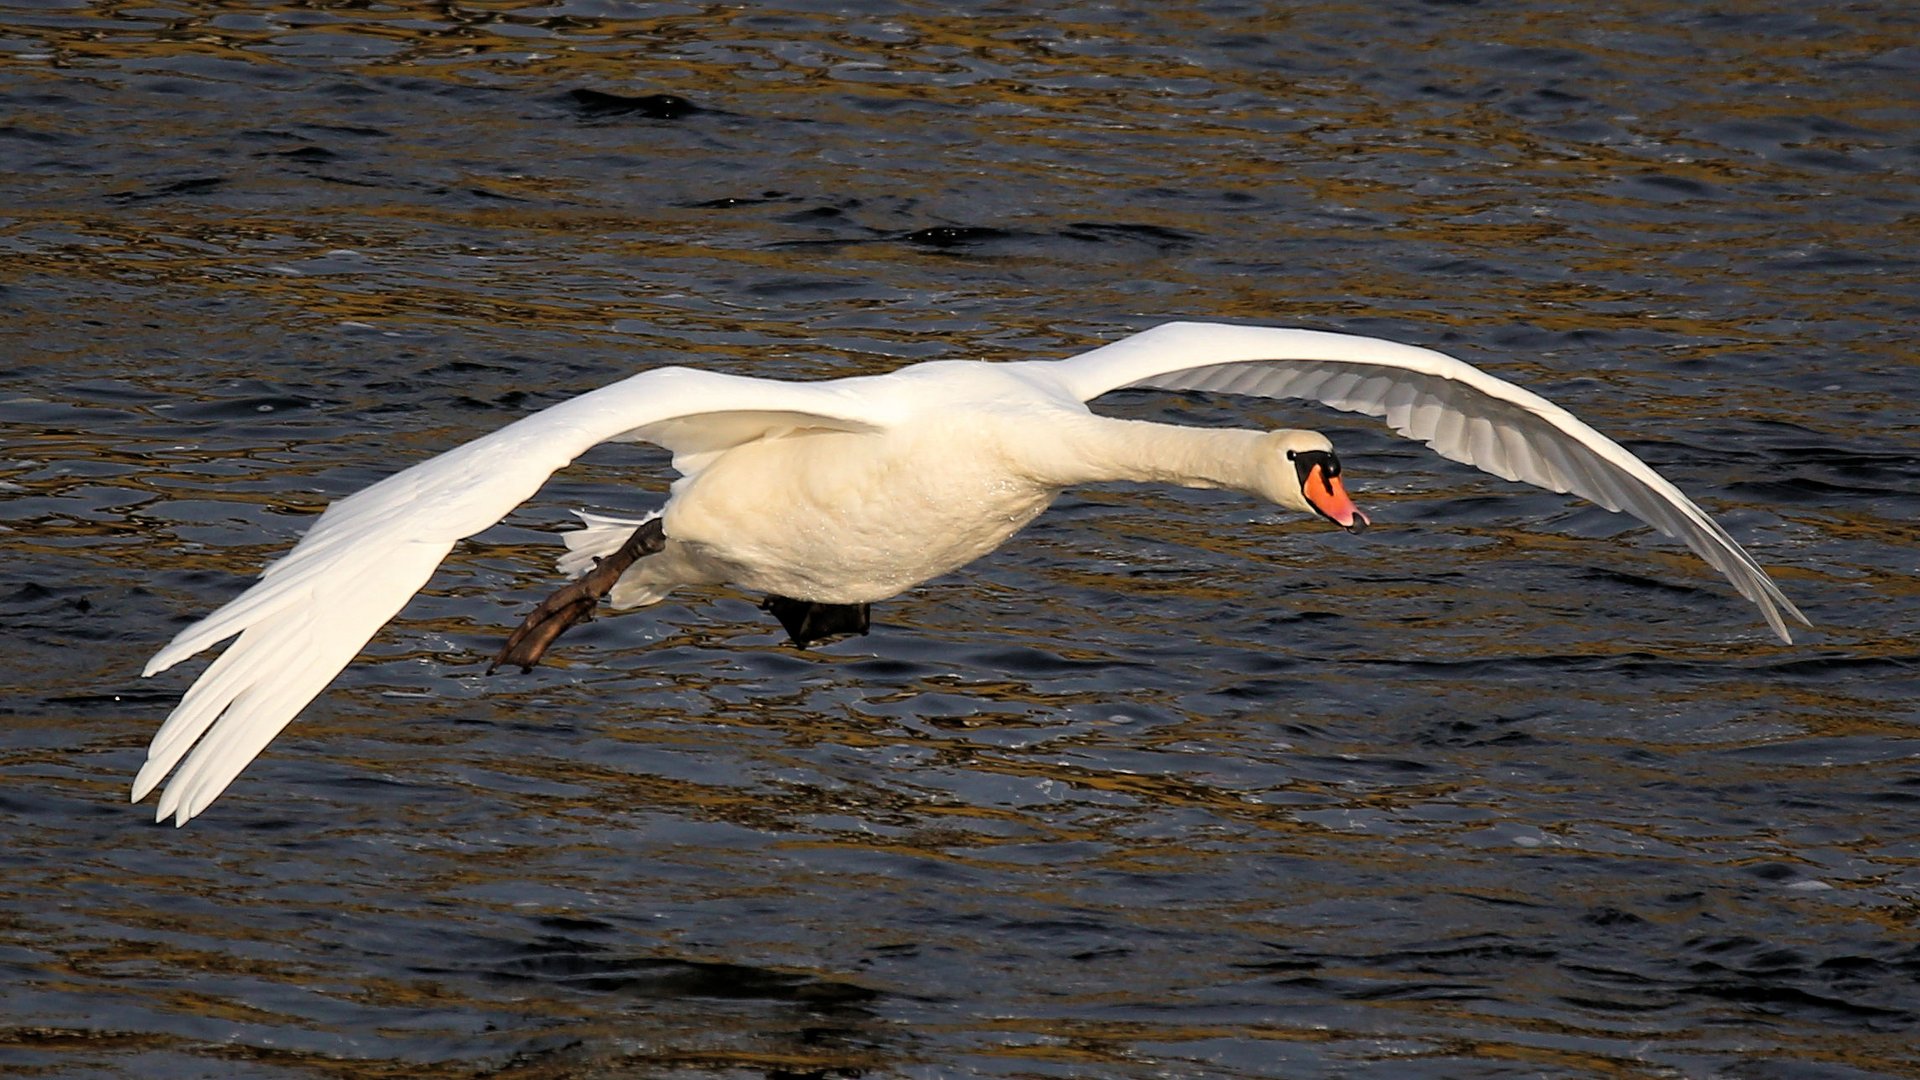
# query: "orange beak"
{"type": "Point", "coordinates": [1329, 496]}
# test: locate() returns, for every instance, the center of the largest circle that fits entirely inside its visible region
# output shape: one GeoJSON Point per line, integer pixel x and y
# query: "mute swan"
{"type": "Point", "coordinates": [830, 495]}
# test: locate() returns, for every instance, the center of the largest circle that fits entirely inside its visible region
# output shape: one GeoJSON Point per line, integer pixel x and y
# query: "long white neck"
{"type": "Point", "coordinates": [1093, 449]}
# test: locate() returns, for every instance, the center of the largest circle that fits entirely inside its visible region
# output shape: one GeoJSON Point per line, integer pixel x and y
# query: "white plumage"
{"type": "Point", "coordinates": [853, 490]}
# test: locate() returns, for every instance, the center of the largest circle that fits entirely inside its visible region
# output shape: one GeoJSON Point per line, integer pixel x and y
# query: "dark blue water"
{"type": "Point", "coordinates": [1171, 786]}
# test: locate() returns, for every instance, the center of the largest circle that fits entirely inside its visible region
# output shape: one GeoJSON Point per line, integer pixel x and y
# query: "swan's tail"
{"type": "Point", "coordinates": [602, 537]}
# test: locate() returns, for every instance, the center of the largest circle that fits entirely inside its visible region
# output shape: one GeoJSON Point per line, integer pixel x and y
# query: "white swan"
{"type": "Point", "coordinates": [835, 494]}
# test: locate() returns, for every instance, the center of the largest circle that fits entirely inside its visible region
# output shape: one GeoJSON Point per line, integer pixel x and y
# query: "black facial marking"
{"type": "Point", "coordinates": [1305, 461]}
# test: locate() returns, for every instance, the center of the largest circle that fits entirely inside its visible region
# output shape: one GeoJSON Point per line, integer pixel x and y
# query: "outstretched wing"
{"type": "Point", "coordinates": [312, 610]}
{"type": "Point", "coordinates": [1460, 411]}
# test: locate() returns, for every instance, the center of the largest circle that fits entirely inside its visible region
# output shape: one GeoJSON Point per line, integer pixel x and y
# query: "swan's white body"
{"type": "Point", "coordinates": [853, 490]}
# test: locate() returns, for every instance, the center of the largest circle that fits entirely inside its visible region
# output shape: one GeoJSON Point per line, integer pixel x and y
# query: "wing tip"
{"type": "Point", "coordinates": [181, 805]}
{"type": "Point", "coordinates": [148, 778]}
{"type": "Point", "coordinates": [1774, 613]}
{"type": "Point", "coordinates": [1798, 615]}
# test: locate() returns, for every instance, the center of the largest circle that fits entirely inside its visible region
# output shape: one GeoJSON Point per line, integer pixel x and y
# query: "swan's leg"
{"type": "Point", "coordinates": [575, 603]}
{"type": "Point", "coordinates": [808, 622]}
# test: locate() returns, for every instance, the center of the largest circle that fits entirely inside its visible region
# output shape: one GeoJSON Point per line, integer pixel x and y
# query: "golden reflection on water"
{"type": "Point", "coordinates": [1265, 134]}
{"type": "Point", "coordinates": [1170, 720]}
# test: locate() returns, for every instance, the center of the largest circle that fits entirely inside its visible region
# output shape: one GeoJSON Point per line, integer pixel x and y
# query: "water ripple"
{"type": "Point", "coordinates": [1169, 786]}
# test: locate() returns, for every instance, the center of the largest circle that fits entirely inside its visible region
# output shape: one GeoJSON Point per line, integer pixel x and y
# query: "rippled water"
{"type": "Point", "coordinates": [1170, 786]}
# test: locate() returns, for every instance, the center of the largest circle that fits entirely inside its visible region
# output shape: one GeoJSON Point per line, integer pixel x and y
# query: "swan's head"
{"type": "Point", "coordinates": [1301, 472]}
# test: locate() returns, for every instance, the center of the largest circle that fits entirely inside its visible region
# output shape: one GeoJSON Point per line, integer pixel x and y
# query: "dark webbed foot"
{"type": "Point", "coordinates": [576, 602]}
{"type": "Point", "coordinates": [807, 622]}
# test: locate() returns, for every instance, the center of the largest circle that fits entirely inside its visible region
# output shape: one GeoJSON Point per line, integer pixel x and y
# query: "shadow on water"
{"type": "Point", "coordinates": [1171, 785]}
{"type": "Point", "coordinates": [781, 1023]}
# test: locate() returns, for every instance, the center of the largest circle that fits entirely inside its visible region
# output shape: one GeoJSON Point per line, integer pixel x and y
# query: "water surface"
{"type": "Point", "coordinates": [1172, 785]}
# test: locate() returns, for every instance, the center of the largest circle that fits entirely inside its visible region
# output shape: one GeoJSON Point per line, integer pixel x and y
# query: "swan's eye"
{"type": "Point", "coordinates": [1291, 455]}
